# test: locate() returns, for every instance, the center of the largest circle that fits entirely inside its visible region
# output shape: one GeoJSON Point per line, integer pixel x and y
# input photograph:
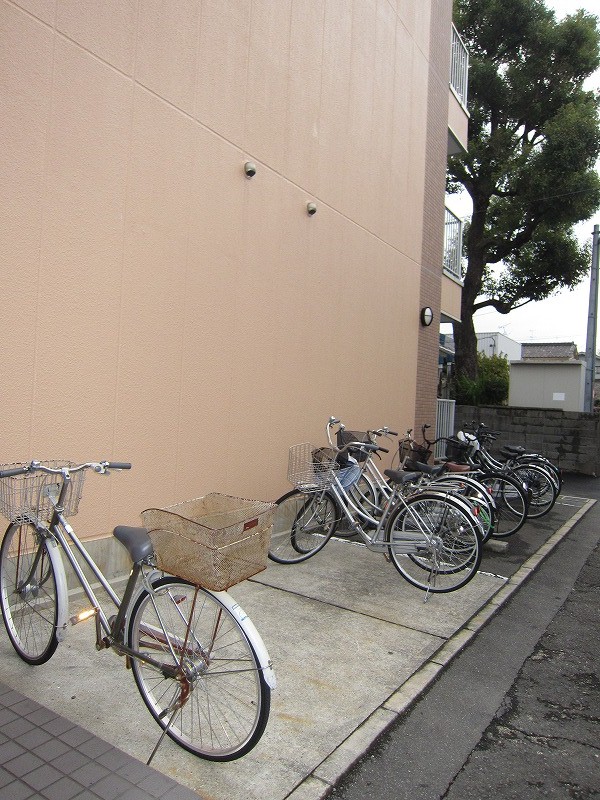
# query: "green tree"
{"type": "Point", "coordinates": [490, 387]}
{"type": "Point", "coordinates": [534, 140]}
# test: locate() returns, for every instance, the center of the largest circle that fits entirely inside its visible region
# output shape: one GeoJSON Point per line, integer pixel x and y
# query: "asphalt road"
{"type": "Point", "coordinates": [517, 714]}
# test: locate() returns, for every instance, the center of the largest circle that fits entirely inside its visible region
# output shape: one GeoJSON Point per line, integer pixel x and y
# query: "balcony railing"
{"type": "Point", "coordinates": [459, 67]}
{"type": "Point", "coordinates": [453, 245]}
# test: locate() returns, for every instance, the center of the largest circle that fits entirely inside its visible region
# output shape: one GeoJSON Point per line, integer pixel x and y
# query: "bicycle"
{"type": "Point", "coordinates": [198, 661]}
{"type": "Point", "coordinates": [511, 495]}
{"type": "Point", "coordinates": [372, 489]}
{"type": "Point", "coordinates": [432, 538]}
{"type": "Point", "coordinates": [540, 476]}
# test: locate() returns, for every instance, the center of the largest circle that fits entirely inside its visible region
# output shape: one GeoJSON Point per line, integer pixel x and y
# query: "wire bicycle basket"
{"type": "Point", "coordinates": [346, 437]}
{"type": "Point", "coordinates": [213, 541]}
{"type": "Point", "coordinates": [28, 496]}
{"type": "Point", "coordinates": [311, 468]}
{"type": "Point", "coordinates": [408, 450]}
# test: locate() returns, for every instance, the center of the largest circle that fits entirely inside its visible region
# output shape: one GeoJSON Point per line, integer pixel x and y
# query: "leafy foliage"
{"type": "Point", "coordinates": [534, 140]}
{"type": "Point", "coordinates": [490, 387]}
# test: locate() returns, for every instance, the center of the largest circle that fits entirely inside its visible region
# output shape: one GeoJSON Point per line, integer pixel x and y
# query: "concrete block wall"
{"type": "Point", "coordinates": [570, 439]}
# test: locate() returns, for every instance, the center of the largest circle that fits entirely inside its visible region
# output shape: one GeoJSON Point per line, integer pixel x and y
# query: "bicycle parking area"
{"type": "Point", "coordinates": [345, 633]}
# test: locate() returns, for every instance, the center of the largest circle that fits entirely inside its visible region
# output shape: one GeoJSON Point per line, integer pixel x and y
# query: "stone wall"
{"type": "Point", "coordinates": [568, 438]}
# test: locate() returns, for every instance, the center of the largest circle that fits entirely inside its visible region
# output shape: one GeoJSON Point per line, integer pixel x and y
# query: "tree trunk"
{"type": "Point", "coordinates": [465, 338]}
{"type": "Point", "coordinates": [465, 343]}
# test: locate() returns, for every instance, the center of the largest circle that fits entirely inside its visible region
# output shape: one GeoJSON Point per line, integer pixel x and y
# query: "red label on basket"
{"type": "Point", "coordinates": [252, 524]}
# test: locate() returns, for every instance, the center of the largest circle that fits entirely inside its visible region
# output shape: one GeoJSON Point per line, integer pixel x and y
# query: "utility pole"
{"type": "Point", "coordinates": [590, 351]}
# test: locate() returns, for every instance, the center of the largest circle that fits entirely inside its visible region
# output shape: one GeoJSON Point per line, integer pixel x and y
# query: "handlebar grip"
{"type": "Point", "coordinates": [393, 433]}
{"type": "Point", "coordinates": [118, 465]}
{"type": "Point", "coordinates": [8, 473]}
{"type": "Point", "coordinates": [383, 449]}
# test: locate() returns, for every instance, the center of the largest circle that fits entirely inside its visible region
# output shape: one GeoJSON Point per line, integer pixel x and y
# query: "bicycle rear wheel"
{"type": "Point", "coordinates": [302, 525]}
{"type": "Point", "coordinates": [445, 537]}
{"type": "Point", "coordinates": [209, 693]}
{"type": "Point", "coordinates": [28, 593]}
{"type": "Point", "coordinates": [542, 486]}
{"type": "Point", "coordinates": [511, 502]}
{"type": "Point", "coordinates": [476, 494]}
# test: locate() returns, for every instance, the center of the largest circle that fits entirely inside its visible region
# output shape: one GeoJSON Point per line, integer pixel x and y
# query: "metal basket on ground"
{"type": "Point", "coordinates": [214, 541]}
{"type": "Point", "coordinates": [27, 496]}
{"type": "Point", "coordinates": [311, 468]}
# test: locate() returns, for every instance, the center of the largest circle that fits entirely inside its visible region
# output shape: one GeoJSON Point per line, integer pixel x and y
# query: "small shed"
{"type": "Point", "coordinates": [540, 383]}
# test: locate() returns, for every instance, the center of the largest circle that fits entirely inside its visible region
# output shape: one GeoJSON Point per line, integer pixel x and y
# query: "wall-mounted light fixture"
{"type": "Point", "coordinates": [426, 316]}
{"type": "Point", "coordinates": [250, 169]}
{"type": "Point", "coordinates": [311, 209]}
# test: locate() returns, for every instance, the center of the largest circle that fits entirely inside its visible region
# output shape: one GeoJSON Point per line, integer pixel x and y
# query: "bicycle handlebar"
{"type": "Point", "coordinates": [364, 446]}
{"type": "Point", "coordinates": [8, 473]}
{"type": "Point", "coordinates": [36, 466]}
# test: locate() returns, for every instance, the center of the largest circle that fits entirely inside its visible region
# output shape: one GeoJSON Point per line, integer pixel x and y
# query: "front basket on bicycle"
{"type": "Point", "coordinates": [346, 437]}
{"type": "Point", "coordinates": [411, 451]}
{"type": "Point", "coordinates": [311, 468]}
{"type": "Point", "coordinates": [214, 541]}
{"type": "Point", "coordinates": [27, 496]}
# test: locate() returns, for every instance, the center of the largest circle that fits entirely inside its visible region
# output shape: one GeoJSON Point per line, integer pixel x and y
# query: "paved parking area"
{"type": "Point", "coordinates": [353, 646]}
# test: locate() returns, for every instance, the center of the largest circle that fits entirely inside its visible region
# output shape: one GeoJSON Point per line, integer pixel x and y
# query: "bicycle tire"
{"type": "Point", "coordinates": [30, 610]}
{"type": "Point", "coordinates": [476, 494]}
{"type": "Point", "coordinates": [454, 555]}
{"type": "Point", "coordinates": [511, 501]}
{"type": "Point", "coordinates": [226, 708]}
{"type": "Point", "coordinates": [303, 523]}
{"type": "Point", "coordinates": [554, 471]}
{"type": "Point", "coordinates": [542, 486]}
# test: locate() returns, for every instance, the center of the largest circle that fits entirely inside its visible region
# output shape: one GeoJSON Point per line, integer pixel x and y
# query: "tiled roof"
{"type": "Point", "coordinates": [563, 351]}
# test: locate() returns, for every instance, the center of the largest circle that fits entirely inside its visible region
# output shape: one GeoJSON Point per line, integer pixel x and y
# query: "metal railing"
{"type": "Point", "coordinates": [459, 67]}
{"type": "Point", "coordinates": [444, 424]}
{"type": "Point", "coordinates": [453, 245]}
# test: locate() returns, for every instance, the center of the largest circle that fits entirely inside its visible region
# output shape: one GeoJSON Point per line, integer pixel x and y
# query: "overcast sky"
{"type": "Point", "coordinates": [563, 317]}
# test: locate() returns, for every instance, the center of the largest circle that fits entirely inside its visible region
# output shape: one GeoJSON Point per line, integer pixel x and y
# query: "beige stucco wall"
{"type": "Point", "coordinates": [451, 297]}
{"type": "Point", "coordinates": [159, 306]}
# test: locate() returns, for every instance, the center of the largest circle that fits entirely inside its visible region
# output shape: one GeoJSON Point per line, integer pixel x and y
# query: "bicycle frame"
{"type": "Point", "coordinates": [61, 534]}
{"type": "Point", "coordinates": [408, 541]}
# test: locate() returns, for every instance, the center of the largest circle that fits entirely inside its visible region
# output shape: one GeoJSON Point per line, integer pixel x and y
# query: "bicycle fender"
{"type": "Point", "coordinates": [61, 589]}
{"type": "Point", "coordinates": [253, 635]}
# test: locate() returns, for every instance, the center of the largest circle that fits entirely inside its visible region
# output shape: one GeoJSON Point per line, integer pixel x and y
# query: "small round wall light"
{"type": "Point", "coordinates": [426, 316]}
{"type": "Point", "coordinates": [311, 209]}
{"type": "Point", "coordinates": [250, 169]}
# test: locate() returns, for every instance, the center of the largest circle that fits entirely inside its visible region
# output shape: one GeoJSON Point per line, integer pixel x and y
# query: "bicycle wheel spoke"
{"type": "Point", "coordinates": [216, 703]}
{"type": "Point", "coordinates": [447, 549]}
{"type": "Point", "coordinates": [303, 524]}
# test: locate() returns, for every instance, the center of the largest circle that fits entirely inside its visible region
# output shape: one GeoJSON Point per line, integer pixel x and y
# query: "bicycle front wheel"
{"type": "Point", "coordinates": [205, 687]}
{"type": "Point", "coordinates": [28, 593]}
{"type": "Point", "coordinates": [435, 543]}
{"type": "Point", "coordinates": [302, 525]}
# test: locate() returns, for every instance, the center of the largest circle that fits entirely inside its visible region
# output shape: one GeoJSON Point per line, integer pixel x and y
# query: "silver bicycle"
{"type": "Point", "coordinates": [199, 663]}
{"type": "Point", "coordinates": [433, 538]}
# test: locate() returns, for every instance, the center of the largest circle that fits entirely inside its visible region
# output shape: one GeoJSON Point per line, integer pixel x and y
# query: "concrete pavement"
{"type": "Point", "coordinates": [353, 646]}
